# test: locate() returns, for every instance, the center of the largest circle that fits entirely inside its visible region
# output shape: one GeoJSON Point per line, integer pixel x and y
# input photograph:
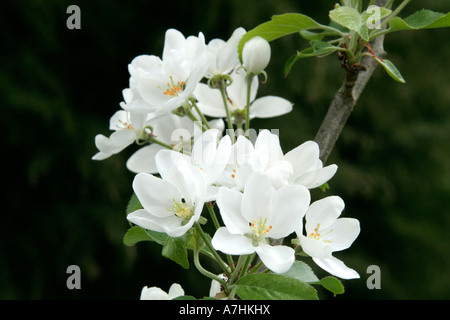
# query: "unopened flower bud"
{"type": "Point", "coordinates": [256, 55]}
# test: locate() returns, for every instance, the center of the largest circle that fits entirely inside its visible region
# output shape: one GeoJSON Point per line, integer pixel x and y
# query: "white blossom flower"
{"type": "Point", "coordinates": [210, 101]}
{"type": "Point", "coordinates": [256, 55]}
{"type": "Point", "coordinates": [225, 54]}
{"type": "Point", "coordinates": [127, 126]}
{"type": "Point", "coordinates": [210, 154]}
{"type": "Point", "coordinates": [156, 293]}
{"type": "Point", "coordinates": [299, 166]}
{"type": "Point", "coordinates": [260, 212]}
{"type": "Point", "coordinates": [172, 130]}
{"type": "Point", "coordinates": [325, 234]}
{"type": "Point", "coordinates": [165, 84]}
{"type": "Point", "coordinates": [171, 204]}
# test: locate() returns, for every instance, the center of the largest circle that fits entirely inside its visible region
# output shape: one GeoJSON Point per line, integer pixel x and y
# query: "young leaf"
{"type": "Point", "coordinates": [267, 286]}
{"type": "Point", "coordinates": [175, 249]}
{"type": "Point", "coordinates": [332, 284]}
{"type": "Point", "coordinates": [391, 69]}
{"type": "Point", "coordinates": [137, 234]}
{"type": "Point", "coordinates": [282, 25]}
{"type": "Point", "coordinates": [351, 19]}
{"type": "Point", "coordinates": [134, 235]}
{"type": "Point", "coordinates": [424, 19]}
{"type": "Point", "coordinates": [318, 48]}
{"type": "Point", "coordinates": [301, 271]}
{"type": "Point", "coordinates": [359, 22]}
{"type": "Point", "coordinates": [184, 298]}
{"type": "Point", "coordinates": [133, 204]}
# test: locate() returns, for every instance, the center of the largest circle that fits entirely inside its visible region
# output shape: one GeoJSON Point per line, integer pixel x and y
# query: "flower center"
{"type": "Point", "coordinates": [259, 230]}
{"type": "Point", "coordinates": [125, 125]}
{"type": "Point", "coordinates": [174, 89]}
{"type": "Point", "coordinates": [182, 210]}
{"type": "Point", "coordinates": [317, 235]}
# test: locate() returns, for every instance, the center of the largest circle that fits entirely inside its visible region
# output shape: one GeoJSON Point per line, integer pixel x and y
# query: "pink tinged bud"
{"type": "Point", "coordinates": [256, 55]}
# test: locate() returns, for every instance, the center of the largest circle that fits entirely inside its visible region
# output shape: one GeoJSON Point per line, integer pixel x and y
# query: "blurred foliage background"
{"type": "Point", "coordinates": [59, 87]}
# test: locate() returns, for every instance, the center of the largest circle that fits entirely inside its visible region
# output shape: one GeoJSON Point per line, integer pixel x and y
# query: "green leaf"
{"type": "Point", "coordinates": [424, 19]}
{"type": "Point", "coordinates": [267, 286]}
{"type": "Point", "coordinates": [137, 234]}
{"type": "Point", "coordinates": [184, 298]}
{"type": "Point", "coordinates": [176, 250]}
{"type": "Point", "coordinates": [391, 69]}
{"type": "Point", "coordinates": [301, 271]}
{"type": "Point", "coordinates": [332, 284]}
{"type": "Point", "coordinates": [358, 22]}
{"type": "Point", "coordinates": [351, 19]}
{"type": "Point", "coordinates": [133, 204]}
{"type": "Point", "coordinates": [318, 48]}
{"type": "Point", "coordinates": [280, 26]}
{"type": "Point", "coordinates": [134, 235]}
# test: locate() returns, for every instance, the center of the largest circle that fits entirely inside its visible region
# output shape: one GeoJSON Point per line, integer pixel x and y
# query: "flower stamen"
{"type": "Point", "coordinates": [181, 209]}
{"type": "Point", "coordinates": [174, 89]}
{"type": "Point", "coordinates": [316, 235]}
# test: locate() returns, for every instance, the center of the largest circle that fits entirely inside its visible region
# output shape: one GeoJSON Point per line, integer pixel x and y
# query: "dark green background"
{"type": "Point", "coordinates": [59, 87]}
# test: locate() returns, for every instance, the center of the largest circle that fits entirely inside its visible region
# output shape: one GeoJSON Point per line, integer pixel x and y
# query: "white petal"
{"type": "Point", "coordinates": [145, 220]}
{"type": "Point", "coordinates": [153, 293]}
{"type": "Point", "coordinates": [279, 259]}
{"type": "Point", "coordinates": [258, 201]}
{"type": "Point", "coordinates": [101, 156]}
{"type": "Point", "coordinates": [345, 231]}
{"type": "Point", "coordinates": [324, 212]}
{"type": "Point", "coordinates": [174, 40]}
{"type": "Point", "coordinates": [209, 101]}
{"type": "Point", "coordinates": [235, 244]}
{"type": "Point", "coordinates": [304, 158]}
{"type": "Point", "coordinates": [270, 106]}
{"type": "Point", "coordinates": [116, 142]}
{"type": "Point", "coordinates": [267, 147]}
{"type": "Point", "coordinates": [175, 290]}
{"type": "Point", "coordinates": [166, 159]}
{"type": "Point", "coordinates": [337, 268]}
{"type": "Point", "coordinates": [317, 177]}
{"type": "Point", "coordinates": [143, 160]}
{"type": "Point", "coordinates": [237, 91]}
{"type": "Point", "coordinates": [315, 248]}
{"type": "Point", "coordinates": [156, 195]}
{"type": "Point", "coordinates": [292, 202]}
{"type": "Point", "coordinates": [189, 180]}
{"type": "Point", "coordinates": [229, 203]}
{"type": "Point", "coordinates": [279, 172]}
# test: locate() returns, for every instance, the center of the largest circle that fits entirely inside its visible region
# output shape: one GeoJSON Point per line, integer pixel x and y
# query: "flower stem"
{"type": "Point", "coordinates": [199, 123]}
{"type": "Point", "coordinates": [248, 261]}
{"type": "Point", "coordinates": [205, 272]}
{"type": "Point", "coordinates": [212, 213]}
{"type": "Point", "coordinates": [247, 107]}
{"type": "Point", "coordinates": [221, 87]}
{"type": "Point", "coordinates": [154, 140]}
{"type": "Point", "coordinates": [216, 256]}
{"type": "Point", "coordinates": [205, 122]}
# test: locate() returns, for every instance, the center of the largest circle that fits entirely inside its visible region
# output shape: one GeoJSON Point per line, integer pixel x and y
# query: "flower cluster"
{"type": "Point", "coordinates": [188, 164]}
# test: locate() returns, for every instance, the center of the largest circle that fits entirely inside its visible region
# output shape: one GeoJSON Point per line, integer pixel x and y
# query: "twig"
{"type": "Point", "coordinates": [346, 97]}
